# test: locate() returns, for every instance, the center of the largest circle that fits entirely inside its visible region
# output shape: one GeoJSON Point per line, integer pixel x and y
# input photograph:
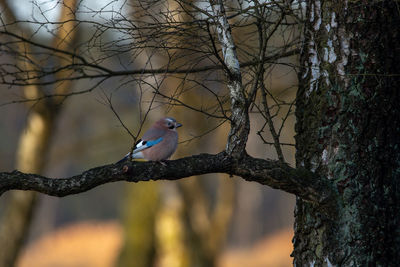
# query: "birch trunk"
{"type": "Point", "coordinates": [348, 131]}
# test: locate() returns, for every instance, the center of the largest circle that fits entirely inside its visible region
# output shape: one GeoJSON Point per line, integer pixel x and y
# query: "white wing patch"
{"type": "Point", "coordinates": [142, 145]}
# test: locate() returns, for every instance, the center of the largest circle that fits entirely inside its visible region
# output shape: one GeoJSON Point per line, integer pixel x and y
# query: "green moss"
{"type": "Point", "coordinates": [319, 251]}
{"type": "Point", "coordinates": [348, 194]}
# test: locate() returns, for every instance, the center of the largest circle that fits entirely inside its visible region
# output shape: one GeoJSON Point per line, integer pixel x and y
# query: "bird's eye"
{"type": "Point", "coordinates": [170, 125]}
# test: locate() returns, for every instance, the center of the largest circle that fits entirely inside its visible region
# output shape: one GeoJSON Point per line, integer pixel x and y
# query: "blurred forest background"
{"type": "Point", "coordinates": [202, 221]}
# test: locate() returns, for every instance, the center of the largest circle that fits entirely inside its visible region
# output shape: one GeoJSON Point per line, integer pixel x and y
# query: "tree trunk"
{"type": "Point", "coordinates": [139, 215]}
{"type": "Point", "coordinates": [35, 139]}
{"type": "Point", "coordinates": [33, 147]}
{"type": "Point", "coordinates": [348, 129]}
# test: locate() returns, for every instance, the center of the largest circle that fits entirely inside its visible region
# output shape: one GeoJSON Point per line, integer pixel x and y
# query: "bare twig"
{"type": "Point", "coordinates": [111, 106]}
{"type": "Point", "coordinates": [270, 122]}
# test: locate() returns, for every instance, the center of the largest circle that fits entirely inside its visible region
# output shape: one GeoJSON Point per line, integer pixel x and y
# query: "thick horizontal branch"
{"type": "Point", "coordinates": [300, 182]}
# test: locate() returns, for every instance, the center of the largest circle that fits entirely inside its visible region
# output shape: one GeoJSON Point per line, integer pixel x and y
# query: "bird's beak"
{"type": "Point", "coordinates": [177, 125]}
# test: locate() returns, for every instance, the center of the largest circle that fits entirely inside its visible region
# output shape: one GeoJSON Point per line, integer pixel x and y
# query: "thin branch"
{"type": "Point", "coordinates": [106, 72]}
{"type": "Point", "coordinates": [65, 95]}
{"type": "Point", "coordinates": [286, 117]}
{"type": "Point", "coordinates": [189, 106]}
{"type": "Point", "coordinates": [270, 122]}
{"type": "Point", "coordinates": [56, 50]}
{"type": "Point", "coordinates": [263, 39]}
{"type": "Point", "coordinates": [111, 106]}
{"type": "Point", "coordinates": [111, 73]}
{"type": "Point", "coordinates": [204, 133]}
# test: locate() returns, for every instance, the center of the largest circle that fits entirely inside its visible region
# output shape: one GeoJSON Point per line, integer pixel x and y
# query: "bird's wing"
{"type": "Point", "coordinates": [143, 144]}
{"type": "Point", "coordinates": [150, 138]}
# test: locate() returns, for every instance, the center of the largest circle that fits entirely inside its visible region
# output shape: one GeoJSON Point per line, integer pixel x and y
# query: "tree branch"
{"type": "Point", "coordinates": [240, 123]}
{"type": "Point", "coordinates": [79, 62]}
{"type": "Point", "coordinates": [278, 175]}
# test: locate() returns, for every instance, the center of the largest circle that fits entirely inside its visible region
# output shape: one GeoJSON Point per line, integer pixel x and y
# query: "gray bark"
{"type": "Point", "coordinates": [348, 118]}
{"type": "Point", "coordinates": [268, 172]}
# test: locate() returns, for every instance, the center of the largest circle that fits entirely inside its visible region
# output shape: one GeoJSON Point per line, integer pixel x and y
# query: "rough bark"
{"type": "Point", "coordinates": [348, 128]}
{"type": "Point", "coordinates": [278, 175]}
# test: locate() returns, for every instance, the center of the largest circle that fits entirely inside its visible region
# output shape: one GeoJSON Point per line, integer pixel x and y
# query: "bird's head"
{"type": "Point", "coordinates": [169, 123]}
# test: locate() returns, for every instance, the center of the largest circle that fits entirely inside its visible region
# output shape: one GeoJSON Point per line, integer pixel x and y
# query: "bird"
{"type": "Point", "coordinates": [158, 143]}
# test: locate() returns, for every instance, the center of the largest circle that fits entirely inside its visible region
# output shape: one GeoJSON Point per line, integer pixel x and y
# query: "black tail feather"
{"type": "Point", "coordinates": [124, 159]}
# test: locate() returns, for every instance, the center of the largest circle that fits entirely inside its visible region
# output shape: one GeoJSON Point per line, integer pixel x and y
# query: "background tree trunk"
{"type": "Point", "coordinates": [139, 212]}
{"type": "Point", "coordinates": [35, 140]}
{"type": "Point", "coordinates": [348, 129]}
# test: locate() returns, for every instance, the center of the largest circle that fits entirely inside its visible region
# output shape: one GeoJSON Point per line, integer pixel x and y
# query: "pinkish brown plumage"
{"type": "Point", "coordinates": [158, 143]}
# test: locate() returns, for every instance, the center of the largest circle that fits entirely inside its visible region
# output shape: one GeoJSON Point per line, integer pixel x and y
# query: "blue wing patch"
{"type": "Point", "coordinates": [151, 143]}
{"type": "Point", "coordinates": [140, 145]}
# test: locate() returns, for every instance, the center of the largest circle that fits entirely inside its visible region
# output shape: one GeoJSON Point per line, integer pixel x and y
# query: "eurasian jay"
{"type": "Point", "coordinates": [158, 143]}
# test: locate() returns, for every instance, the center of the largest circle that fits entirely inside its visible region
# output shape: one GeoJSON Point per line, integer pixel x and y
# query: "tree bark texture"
{"type": "Point", "coordinates": [275, 174]}
{"type": "Point", "coordinates": [240, 123]}
{"type": "Point", "coordinates": [348, 129]}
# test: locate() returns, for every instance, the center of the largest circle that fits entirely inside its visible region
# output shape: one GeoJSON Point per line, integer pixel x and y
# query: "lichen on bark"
{"type": "Point", "coordinates": [346, 131]}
